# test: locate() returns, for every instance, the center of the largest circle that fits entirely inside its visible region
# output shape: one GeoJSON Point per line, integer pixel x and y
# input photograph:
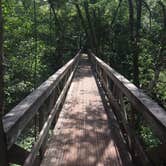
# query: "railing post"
{"type": "Point", "coordinates": [105, 79]}
{"type": "Point", "coordinates": [114, 91]}
{"type": "Point", "coordinates": [42, 114]}
{"type": "Point", "coordinates": [123, 106]}
{"type": "Point", "coordinates": [3, 147]}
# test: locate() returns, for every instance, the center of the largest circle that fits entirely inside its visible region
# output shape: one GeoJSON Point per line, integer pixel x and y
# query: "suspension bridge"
{"type": "Point", "coordinates": [91, 111]}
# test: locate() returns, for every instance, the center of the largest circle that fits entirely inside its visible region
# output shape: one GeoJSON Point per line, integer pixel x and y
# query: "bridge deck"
{"type": "Point", "coordinates": [82, 136]}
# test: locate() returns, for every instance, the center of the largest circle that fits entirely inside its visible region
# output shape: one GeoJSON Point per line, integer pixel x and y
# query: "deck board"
{"type": "Point", "coordinates": [82, 136]}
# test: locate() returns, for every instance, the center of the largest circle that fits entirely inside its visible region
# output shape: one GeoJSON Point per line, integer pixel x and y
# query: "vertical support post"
{"type": "Point", "coordinates": [105, 79]}
{"type": "Point", "coordinates": [41, 123]}
{"type": "Point", "coordinates": [123, 106]}
{"type": "Point", "coordinates": [95, 65]}
{"type": "Point", "coordinates": [51, 101]}
{"type": "Point", "coordinates": [133, 124]}
{"type": "Point", "coordinates": [133, 117]}
{"type": "Point", "coordinates": [80, 41]}
{"type": "Point", "coordinates": [3, 146]}
{"type": "Point", "coordinates": [54, 97]}
{"type": "Point", "coordinates": [114, 91]}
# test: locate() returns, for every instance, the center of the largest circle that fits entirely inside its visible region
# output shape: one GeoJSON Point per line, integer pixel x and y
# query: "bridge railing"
{"type": "Point", "coordinates": [45, 102]}
{"type": "Point", "coordinates": [130, 106]}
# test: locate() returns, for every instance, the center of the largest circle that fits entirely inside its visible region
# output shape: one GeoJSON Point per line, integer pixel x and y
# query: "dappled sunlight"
{"type": "Point", "coordinates": [82, 135]}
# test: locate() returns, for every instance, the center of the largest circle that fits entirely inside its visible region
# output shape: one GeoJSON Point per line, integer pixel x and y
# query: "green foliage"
{"type": "Point", "coordinates": [150, 141]}
{"type": "Point", "coordinates": [27, 139]}
{"type": "Point", "coordinates": [60, 31]}
{"type": "Point", "coordinates": [29, 63]}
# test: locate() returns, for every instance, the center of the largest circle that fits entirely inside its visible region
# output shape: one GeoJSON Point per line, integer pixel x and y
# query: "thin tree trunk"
{"type": "Point", "coordinates": [134, 39]}
{"type": "Point", "coordinates": [92, 31]}
{"type": "Point", "coordinates": [154, 81]}
{"type": "Point", "coordinates": [131, 20]}
{"type": "Point", "coordinates": [1, 65]}
{"type": "Point", "coordinates": [160, 64]}
{"type": "Point", "coordinates": [137, 41]}
{"type": "Point", "coordinates": [150, 13]}
{"type": "Point", "coordinates": [164, 14]}
{"type": "Point", "coordinates": [83, 23]}
{"type": "Point", "coordinates": [3, 150]}
{"type": "Point", "coordinates": [60, 43]}
{"type": "Point", "coordinates": [116, 13]}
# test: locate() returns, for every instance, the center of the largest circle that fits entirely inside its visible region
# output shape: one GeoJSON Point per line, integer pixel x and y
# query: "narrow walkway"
{"type": "Point", "coordinates": [82, 136]}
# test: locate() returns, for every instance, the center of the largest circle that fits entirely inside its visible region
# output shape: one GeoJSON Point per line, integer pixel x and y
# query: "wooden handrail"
{"type": "Point", "coordinates": [17, 119]}
{"type": "Point", "coordinates": [117, 87]}
{"type": "Point", "coordinates": [43, 133]}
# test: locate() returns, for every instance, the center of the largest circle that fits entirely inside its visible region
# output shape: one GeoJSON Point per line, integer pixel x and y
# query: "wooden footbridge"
{"type": "Point", "coordinates": [92, 112]}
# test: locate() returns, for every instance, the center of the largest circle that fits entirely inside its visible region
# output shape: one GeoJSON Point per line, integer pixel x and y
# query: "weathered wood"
{"type": "Point", "coordinates": [123, 106]}
{"type": "Point", "coordinates": [139, 101]}
{"type": "Point", "coordinates": [42, 117]}
{"type": "Point", "coordinates": [133, 142]}
{"type": "Point", "coordinates": [114, 125]}
{"type": "Point", "coordinates": [82, 135]}
{"type": "Point", "coordinates": [29, 161]}
{"type": "Point", "coordinates": [52, 101]}
{"type": "Point", "coordinates": [3, 146]}
{"type": "Point", "coordinates": [17, 119]}
{"type": "Point", "coordinates": [152, 112]}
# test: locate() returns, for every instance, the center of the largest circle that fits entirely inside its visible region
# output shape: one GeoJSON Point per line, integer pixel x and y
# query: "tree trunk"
{"type": "Point", "coordinates": [3, 150]}
{"type": "Point", "coordinates": [150, 13]}
{"type": "Point", "coordinates": [1, 65]}
{"type": "Point", "coordinates": [60, 43]}
{"type": "Point", "coordinates": [135, 39]}
{"type": "Point", "coordinates": [92, 31]}
{"type": "Point", "coordinates": [131, 20]}
{"type": "Point", "coordinates": [116, 13]}
{"type": "Point", "coordinates": [160, 61]}
{"type": "Point", "coordinates": [83, 24]}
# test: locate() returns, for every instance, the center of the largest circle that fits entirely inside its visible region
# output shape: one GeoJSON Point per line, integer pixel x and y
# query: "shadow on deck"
{"type": "Point", "coordinates": [85, 134]}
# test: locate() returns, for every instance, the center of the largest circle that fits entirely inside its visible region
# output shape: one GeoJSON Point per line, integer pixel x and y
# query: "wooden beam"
{"type": "Point", "coordinates": [30, 160]}
{"type": "Point", "coordinates": [133, 142]}
{"type": "Point", "coordinates": [152, 112]}
{"type": "Point", "coordinates": [17, 119]}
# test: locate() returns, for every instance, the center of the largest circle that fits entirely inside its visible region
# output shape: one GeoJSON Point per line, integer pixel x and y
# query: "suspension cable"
{"type": "Point", "coordinates": [35, 41]}
{"type": "Point", "coordinates": [50, 28]}
{"type": "Point", "coordinates": [35, 58]}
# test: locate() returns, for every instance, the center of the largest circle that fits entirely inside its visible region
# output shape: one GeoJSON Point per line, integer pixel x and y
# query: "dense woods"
{"type": "Point", "coordinates": [37, 37]}
{"type": "Point", "coordinates": [41, 36]}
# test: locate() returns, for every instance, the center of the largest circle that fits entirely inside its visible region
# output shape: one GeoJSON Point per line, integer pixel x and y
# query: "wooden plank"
{"type": "Point", "coordinates": [17, 119]}
{"type": "Point", "coordinates": [133, 142]}
{"type": "Point", "coordinates": [29, 161]}
{"type": "Point", "coordinates": [152, 112]}
{"type": "Point", "coordinates": [114, 125]}
{"type": "Point", "coordinates": [82, 136]}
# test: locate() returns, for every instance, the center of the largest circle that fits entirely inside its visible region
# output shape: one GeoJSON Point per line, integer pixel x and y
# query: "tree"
{"type": "Point", "coordinates": [160, 59]}
{"type": "Point", "coordinates": [3, 150]}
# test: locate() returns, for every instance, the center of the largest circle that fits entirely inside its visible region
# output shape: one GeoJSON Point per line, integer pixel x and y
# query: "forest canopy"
{"type": "Point", "coordinates": [40, 36]}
